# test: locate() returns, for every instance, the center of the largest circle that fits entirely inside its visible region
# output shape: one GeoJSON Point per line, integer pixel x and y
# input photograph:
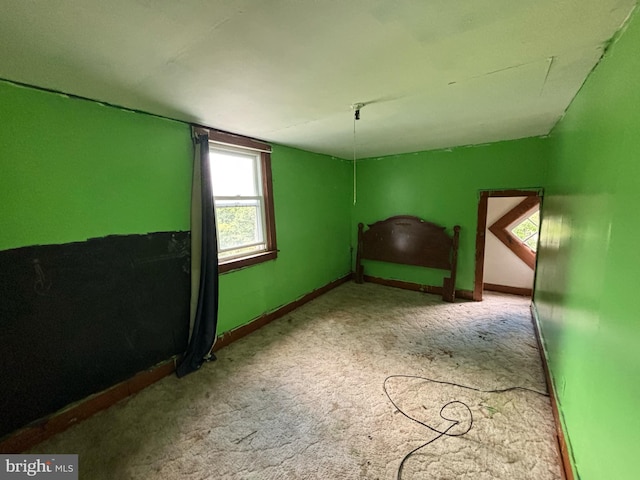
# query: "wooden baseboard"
{"type": "Point", "coordinates": [257, 323]}
{"type": "Point", "coordinates": [40, 430]}
{"type": "Point", "coordinates": [57, 422]}
{"type": "Point", "coordinates": [563, 449]}
{"type": "Point", "coordinates": [463, 294]}
{"type": "Point", "coordinates": [525, 292]}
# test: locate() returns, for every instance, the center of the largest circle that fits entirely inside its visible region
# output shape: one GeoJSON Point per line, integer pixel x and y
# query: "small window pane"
{"type": "Point", "coordinates": [533, 242]}
{"type": "Point", "coordinates": [239, 223]}
{"type": "Point", "coordinates": [527, 230]}
{"type": "Point", "coordinates": [233, 174]}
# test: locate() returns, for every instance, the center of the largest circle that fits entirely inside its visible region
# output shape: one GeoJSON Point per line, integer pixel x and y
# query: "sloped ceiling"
{"type": "Point", "coordinates": [432, 74]}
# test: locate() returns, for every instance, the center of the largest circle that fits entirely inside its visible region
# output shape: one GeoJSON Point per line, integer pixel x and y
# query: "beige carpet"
{"type": "Point", "coordinates": [303, 398]}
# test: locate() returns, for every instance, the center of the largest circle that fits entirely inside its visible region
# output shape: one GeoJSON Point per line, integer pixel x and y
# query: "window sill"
{"type": "Point", "coordinates": [226, 266]}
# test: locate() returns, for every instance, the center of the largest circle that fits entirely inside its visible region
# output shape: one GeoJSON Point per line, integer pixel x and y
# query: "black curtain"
{"type": "Point", "coordinates": [204, 265]}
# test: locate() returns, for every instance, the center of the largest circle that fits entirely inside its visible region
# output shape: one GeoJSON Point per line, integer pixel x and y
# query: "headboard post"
{"type": "Point", "coordinates": [449, 284]}
{"type": "Point", "coordinates": [359, 270]}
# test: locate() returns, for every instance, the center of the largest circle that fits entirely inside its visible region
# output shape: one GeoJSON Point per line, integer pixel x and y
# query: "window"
{"type": "Point", "coordinates": [241, 180]}
{"type": "Point", "coordinates": [518, 229]}
{"type": "Point", "coordinates": [527, 230]}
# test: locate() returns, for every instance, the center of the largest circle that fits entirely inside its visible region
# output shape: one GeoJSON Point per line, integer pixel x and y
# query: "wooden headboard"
{"type": "Point", "coordinates": [410, 241]}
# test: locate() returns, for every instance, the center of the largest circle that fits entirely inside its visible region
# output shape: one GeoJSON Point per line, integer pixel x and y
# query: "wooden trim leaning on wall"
{"type": "Point", "coordinates": [563, 450]}
{"type": "Point", "coordinates": [42, 429]}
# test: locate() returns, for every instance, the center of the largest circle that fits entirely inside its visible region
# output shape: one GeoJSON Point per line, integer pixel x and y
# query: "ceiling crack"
{"type": "Point", "coordinates": [550, 61]}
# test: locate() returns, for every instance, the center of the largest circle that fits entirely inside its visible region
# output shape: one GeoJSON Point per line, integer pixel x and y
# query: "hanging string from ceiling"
{"type": "Point", "coordinates": [356, 116]}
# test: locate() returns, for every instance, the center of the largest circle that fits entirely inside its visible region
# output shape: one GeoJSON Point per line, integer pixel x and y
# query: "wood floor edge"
{"type": "Point", "coordinates": [463, 294]}
{"type": "Point", "coordinates": [40, 430]}
{"type": "Point", "coordinates": [563, 448]}
{"type": "Point", "coordinates": [233, 335]}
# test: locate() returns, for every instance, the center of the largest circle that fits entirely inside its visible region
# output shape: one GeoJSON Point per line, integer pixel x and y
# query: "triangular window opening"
{"type": "Point", "coordinates": [527, 230]}
{"type": "Point", "coordinates": [518, 229]}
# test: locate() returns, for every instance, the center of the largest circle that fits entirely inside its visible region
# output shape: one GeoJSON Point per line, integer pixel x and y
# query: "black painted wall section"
{"type": "Point", "coordinates": [78, 318]}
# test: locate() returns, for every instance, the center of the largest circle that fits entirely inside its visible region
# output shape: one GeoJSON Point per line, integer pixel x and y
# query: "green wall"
{"type": "Point", "coordinates": [588, 262]}
{"type": "Point", "coordinates": [313, 231]}
{"type": "Point", "coordinates": [443, 187]}
{"type": "Point", "coordinates": [73, 169]}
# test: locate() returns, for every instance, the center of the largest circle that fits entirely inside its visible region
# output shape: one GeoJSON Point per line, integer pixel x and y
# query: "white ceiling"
{"type": "Point", "coordinates": [433, 74]}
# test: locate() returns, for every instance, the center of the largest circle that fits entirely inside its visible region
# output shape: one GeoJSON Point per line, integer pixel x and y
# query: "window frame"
{"type": "Point", "coordinates": [536, 233]}
{"type": "Point", "coordinates": [501, 228]}
{"type": "Point", "coordinates": [217, 137]}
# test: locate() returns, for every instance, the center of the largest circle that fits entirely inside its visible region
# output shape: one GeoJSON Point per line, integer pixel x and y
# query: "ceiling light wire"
{"type": "Point", "coordinates": [354, 158]}
{"type": "Point", "coordinates": [356, 116]}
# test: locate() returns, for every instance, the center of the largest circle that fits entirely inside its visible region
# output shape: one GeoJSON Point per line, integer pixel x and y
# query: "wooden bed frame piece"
{"type": "Point", "coordinates": [410, 241]}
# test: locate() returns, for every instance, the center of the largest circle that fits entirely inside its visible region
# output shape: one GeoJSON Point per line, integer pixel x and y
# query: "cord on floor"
{"type": "Point", "coordinates": [455, 422]}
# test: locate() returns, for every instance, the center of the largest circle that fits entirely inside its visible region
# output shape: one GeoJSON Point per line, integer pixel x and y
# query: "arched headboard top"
{"type": "Point", "coordinates": [409, 240]}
